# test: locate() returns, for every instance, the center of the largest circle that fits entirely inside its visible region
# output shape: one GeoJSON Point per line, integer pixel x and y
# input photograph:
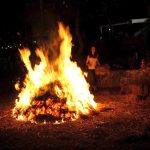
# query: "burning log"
{"type": "Point", "coordinates": [47, 110]}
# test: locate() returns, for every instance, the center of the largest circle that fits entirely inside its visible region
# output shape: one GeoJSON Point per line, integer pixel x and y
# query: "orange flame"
{"type": "Point", "coordinates": [60, 77]}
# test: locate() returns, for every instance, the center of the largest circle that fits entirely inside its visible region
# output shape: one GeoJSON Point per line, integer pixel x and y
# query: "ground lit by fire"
{"type": "Point", "coordinates": [55, 88]}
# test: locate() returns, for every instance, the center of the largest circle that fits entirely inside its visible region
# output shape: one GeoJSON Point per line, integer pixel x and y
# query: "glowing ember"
{"type": "Point", "coordinates": [54, 88]}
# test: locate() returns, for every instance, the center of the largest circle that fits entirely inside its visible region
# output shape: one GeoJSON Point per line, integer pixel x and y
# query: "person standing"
{"type": "Point", "coordinates": [91, 62]}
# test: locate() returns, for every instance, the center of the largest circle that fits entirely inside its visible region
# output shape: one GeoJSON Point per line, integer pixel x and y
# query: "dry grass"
{"type": "Point", "coordinates": [122, 123]}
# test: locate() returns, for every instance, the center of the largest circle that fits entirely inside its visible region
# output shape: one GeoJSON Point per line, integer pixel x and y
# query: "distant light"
{"type": "Point", "coordinates": [18, 33]}
{"type": "Point", "coordinates": [63, 2]}
{"type": "Point", "coordinates": [2, 47]}
{"type": "Point", "coordinates": [141, 20]}
{"type": "Point", "coordinates": [109, 29]}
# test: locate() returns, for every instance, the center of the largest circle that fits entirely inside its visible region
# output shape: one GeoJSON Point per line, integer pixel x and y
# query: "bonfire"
{"type": "Point", "coordinates": [53, 88]}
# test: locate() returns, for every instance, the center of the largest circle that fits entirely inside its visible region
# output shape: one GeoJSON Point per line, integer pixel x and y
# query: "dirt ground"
{"type": "Point", "coordinates": [122, 123]}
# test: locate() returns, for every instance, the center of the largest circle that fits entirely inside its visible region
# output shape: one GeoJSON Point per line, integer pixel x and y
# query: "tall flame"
{"type": "Point", "coordinates": [61, 77]}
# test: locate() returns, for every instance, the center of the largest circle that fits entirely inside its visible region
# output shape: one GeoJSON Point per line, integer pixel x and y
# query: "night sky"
{"type": "Point", "coordinates": [14, 13]}
{"type": "Point", "coordinates": [26, 17]}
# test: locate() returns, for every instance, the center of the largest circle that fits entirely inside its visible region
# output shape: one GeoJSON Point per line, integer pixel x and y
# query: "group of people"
{"type": "Point", "coordinates": [92, 61]}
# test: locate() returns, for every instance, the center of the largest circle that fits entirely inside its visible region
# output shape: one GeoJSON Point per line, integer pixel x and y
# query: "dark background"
{"type": "Point", "coordinates": [31, 22]}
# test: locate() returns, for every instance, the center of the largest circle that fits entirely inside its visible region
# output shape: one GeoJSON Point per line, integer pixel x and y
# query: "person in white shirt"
{"type": "Point", "coordinates": [91, 62]}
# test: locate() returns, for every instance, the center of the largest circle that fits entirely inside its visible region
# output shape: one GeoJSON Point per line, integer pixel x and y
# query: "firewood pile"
{"type": "Point", "coordinates": [50, 110]}
{"type": "Point", "coordinates": [136, 82]}
{"type": "Point", "coordinates": [109, 78]}
{"type": "Point", "coordinates": [138, 77]}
